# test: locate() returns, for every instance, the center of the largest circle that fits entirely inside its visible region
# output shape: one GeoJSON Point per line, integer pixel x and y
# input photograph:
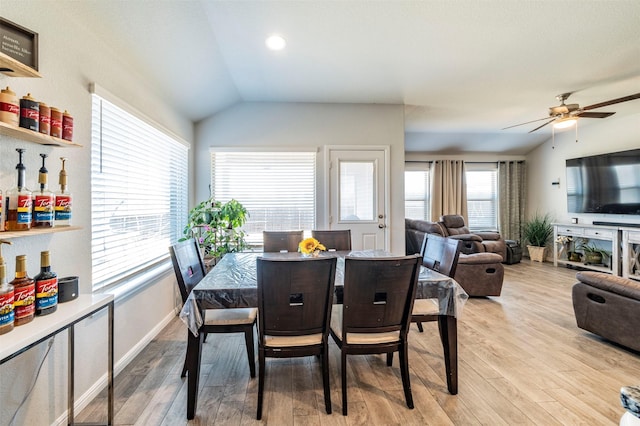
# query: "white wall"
{"type": "Point", "coordinates": [309, 125]}
{"type": "Point", "coordinates": [546, 164]}
{"type": "Point", "coordinates": [71, 58]}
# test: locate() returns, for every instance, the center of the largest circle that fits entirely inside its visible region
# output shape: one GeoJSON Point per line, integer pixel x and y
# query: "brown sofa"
{"type": "Point", "coordinates": [608, 306]}
{"type": "Point", "coordinates": [479, 274]}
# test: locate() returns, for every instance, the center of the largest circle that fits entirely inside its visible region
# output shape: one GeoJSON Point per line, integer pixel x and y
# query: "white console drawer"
{"type": "Point", "coordinates": [599, 233]}
{"type": "Point", "coordinates": [633, 236]}
{"type": "Point", "coordinates": [568, 230]}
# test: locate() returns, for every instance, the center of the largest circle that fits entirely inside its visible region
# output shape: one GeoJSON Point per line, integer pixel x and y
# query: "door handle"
{"type": "Point", "coordinates": [382, 225]}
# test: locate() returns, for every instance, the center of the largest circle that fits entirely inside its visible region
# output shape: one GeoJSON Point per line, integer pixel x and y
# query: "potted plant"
{"type": "Point", "coordinates": [593, 255]}
{"type": "Point", "coordinates": [216, 226]}
{"type": "Point", "coordinates": [537, 232]}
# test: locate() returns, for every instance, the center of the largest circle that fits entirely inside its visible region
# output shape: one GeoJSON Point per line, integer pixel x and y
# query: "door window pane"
{"type": "Point", "coordinates": [357, 191]}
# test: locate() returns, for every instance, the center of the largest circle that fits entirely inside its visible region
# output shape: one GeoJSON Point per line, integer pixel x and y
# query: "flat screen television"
{"type": "Point", "coordinates": [607, 183]}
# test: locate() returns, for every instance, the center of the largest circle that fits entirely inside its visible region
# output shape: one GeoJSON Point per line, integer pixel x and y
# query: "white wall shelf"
{"type": "Point", "coordinates": [13, 68]}
{"type": "Point", "coordinates": [35, 137]}
{"type": "Point", "coordinates": [7, 235]}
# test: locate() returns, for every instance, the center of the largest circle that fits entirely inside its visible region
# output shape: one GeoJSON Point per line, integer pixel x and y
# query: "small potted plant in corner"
{"type": "Point", "coordinates": [593, 255]}
{"type": "Point", "coordinates": [216, 226]}
{"type": "Point", "coordinates": [537, 232]}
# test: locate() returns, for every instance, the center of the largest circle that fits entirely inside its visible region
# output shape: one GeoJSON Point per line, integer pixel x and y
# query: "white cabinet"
{"type": "Point", "coordinates": [607, 238]}
{"type": "Point", "coordinates": [631, 253]}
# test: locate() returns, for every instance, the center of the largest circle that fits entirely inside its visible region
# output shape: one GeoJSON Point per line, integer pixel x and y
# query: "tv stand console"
{"type": "Point", "coordinates": [605, 237]}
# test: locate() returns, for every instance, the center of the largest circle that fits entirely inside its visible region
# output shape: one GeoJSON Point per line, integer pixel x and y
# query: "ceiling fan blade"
{"type": "Point", "coordinates": [540, 127]}
{"type": "Point", "coordinates": [595, 114]}
{"type": "Point", "coordinates": [527, 122]}
{"type": "Point", "coordinates": [613, 101]}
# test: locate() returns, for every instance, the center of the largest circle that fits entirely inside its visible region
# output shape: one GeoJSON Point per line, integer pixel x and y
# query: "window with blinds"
{"type": "Point", "coordinates": [417, 191]}
{"type": "Point", "coordinates": [277, 188]}
{"type": "Point", "coordinates": [138, 194]}
{"type": "Point", "coordinates": [482, 196]}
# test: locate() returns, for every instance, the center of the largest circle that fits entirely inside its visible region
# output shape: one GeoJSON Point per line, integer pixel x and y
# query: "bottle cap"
{"type": "Point", "coordinates": [8, 91]}
{"type": "Point", "coordinates": [28, 97]}
{"type": "Point", "coordinates": [44, 259]}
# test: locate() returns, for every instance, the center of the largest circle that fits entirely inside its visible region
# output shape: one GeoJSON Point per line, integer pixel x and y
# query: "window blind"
{"type": "Point", "coordinates": [138, 193]}
{"type": "Point", "coordinates": [417, 191]}
{"type": "Point", "coordinates": [482, 197]}
{"type": "Point", "coordinates": [277, 188]}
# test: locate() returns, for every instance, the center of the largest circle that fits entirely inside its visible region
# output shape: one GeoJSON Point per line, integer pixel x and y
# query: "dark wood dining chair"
{"type": "Point", "coordinates": [376, 313]}
{"type": "Point", "coordinates": [441, 255]}
{"type": "Point", "coordinates": [278, 241]}
{"type": "Point", "coordinates": [337, 239]}
{"type": "Point", "coordinates": [189, 269]}
{"type": "Point", "coordinates": [294, 309]}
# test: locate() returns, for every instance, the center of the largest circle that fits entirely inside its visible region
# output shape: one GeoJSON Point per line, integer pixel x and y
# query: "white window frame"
{"type": "Point", "coordinates": [425, 167]}
{"type": "Point", "coordinates": [290, 185]}
{"type": "Point", "coordinates": [130, 238]}
{"type": "Point", "coordinates": [493, 198]}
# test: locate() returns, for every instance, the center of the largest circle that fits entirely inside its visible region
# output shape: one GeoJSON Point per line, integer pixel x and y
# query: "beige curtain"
{"type": "Point", "coordinates": [448, 189]}
{"type": "Point", "coordinates": [511, 193]}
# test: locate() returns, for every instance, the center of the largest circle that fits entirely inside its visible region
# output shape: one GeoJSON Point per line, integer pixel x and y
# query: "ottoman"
{"type": "Point", "coordinates": [480, 274]}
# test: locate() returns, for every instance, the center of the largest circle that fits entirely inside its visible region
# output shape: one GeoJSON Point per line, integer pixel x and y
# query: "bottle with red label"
{"type": "Point", "coordinates": [6, 297]}
{"type": "Point", "coordinates": [9, 107]}
{"type": "Point", "coordinates": [43, 200]}
{"type": "Point", "coordinates": [29, 113]}
{"type": "Point", "coordinates": [46, 287]}
{"type": "Point", "coordinates": [24, 293]}
{"type": "Point", "coordinates": [63, 200]}
{"type": "Point", "coordinates": [18, 201]}
{"type": "Point", "coordinates": [55, 125]}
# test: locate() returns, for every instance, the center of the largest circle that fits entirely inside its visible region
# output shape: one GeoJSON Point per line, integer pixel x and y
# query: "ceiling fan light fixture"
{"type": "Point", "coordinates": [275, 42]}
{"type": "Point", "coordinates": [565, 122]}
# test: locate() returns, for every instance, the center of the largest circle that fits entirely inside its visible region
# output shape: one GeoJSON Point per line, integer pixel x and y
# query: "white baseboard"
{"type": "Point", "coordinates": [98, 386]}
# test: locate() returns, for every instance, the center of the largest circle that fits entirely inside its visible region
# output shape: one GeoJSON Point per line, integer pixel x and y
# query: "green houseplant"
{"type": "Point", "coordinates": [593, 255]}
{"type": "Point", "coordinates": [537, 232]}
{"type": "Point", "coordinates": [216, 226]}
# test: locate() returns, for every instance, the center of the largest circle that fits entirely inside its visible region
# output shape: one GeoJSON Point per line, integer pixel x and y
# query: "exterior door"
{"type": "Point", "coordinates": [358, 195]}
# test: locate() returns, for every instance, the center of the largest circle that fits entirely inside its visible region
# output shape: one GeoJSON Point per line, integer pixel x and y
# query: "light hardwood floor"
{"type": "Point", "coordinates": [522, 360]}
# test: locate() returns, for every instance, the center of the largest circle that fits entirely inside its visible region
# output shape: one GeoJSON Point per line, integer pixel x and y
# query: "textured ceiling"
{"type": "Point", "coordinates": [464, 69]}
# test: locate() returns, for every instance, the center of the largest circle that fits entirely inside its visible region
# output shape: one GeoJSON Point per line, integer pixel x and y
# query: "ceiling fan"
{"type": "Point", "coordinates": [565, 115]}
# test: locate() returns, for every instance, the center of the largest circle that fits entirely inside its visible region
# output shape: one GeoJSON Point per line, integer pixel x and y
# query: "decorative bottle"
{"type": "Point", "coordinates": [63, 200]}
{"type": "Point", "coordinates": [6, 297]}
{"type": "Point", "coordinates": [46, 287]}
{"type": "Point", "coordinates": [43, 201]}
{"type": "Point", "coordinates": [24, 293]}
{"type": "Point", "coordinates": [18, 204]}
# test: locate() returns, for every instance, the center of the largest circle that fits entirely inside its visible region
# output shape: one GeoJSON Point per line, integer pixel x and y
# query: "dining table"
{"type": "Point", "coordinates": [232, 283]}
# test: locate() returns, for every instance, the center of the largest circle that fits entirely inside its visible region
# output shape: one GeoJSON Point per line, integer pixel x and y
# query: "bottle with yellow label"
{"type": "Point", "coordinates": [24, 290]}
{"type": "Point", "coordinates": [6, 297]}
{"type": "Point", "coordinates": [18, 202]}
{"type": "Point", "coordinates": [43, 200]}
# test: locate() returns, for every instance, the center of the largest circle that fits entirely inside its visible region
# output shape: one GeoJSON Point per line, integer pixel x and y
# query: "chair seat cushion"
{"type": "Point", "coordinates": [292, 341]}
{"type": "Point", "coordinates": [630, 398]}
{"type": "Point", "coordinates": [230, 316]}
{"type": "Point", "coordinates": [426, 307]}
{"type": "Point", "coordinates": [360, 338]}
{"type": "Point", "coordinates": [479, 258]}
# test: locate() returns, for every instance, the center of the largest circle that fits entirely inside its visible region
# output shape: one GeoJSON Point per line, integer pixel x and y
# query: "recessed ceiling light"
{"type": "Point", "coordinates": [275, 42]}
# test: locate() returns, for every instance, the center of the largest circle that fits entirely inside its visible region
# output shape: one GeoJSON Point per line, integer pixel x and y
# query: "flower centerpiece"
{"type": "Point", "coordinates": [310, 247]}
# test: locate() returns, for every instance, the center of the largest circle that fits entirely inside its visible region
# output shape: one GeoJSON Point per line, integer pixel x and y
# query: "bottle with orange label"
{"type": "Point", "coordinates": [18, 202]}
{"type": "Point", "coordinates": [6, 297]}
{"type": "Point", "coordinates": [24, 290]}
{"type": "Point", "coordinates": [63, 200]}
{"type": "Point", "coordinates": [46, 287]}
{"type": "Point", "coordinates": [43, 200]}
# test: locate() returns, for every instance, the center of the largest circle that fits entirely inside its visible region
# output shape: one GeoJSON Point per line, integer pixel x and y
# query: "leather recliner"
{"type": "Point", "coordinates": [473, 242]}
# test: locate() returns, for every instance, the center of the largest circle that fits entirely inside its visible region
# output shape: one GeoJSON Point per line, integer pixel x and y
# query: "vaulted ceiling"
{"type": "Point", "coordinates": [463, 69]}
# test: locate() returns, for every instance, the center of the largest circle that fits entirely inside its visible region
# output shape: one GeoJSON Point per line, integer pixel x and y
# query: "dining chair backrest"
{"type": "Point", "coordinates": [295, 295]}
{"type": "Point", "coordinates": [337, 239]}
{"type": "Point", "coordinates": [187, 265]}
{"type": "Point", "coordinates": [379, 293]}
{"type": "Point", "coordinates": [441, 254]}
{"type": "Point", "coordinates": [277, 241]}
